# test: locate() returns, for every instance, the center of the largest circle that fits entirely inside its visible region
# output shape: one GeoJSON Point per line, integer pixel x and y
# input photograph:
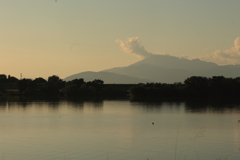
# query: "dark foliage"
{"type": "Point", "coordinates": [196, 86]}
{"type": "Point", "coordinates": [23, 84]}
{"type": "Point", "coordinates": [40, 80]}
{"type": "Point", "coordinates": [202, 87]}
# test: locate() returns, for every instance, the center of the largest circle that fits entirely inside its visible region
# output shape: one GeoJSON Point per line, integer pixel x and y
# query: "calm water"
{"type": "Point", "coordinates": [118, 130]}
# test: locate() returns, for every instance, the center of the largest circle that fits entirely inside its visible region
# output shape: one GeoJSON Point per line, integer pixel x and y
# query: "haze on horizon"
{"type": "Point", "coordinates": [44, 38]}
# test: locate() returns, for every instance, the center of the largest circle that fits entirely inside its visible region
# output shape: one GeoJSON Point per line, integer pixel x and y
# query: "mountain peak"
{"type": "Point", "coordinates": [161, 68]}
{"type": "Point", "coordinates": [171, 62]}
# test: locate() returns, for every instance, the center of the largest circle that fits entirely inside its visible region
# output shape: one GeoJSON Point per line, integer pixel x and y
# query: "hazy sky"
{"type": "Point", "coordinates": [40, 38]}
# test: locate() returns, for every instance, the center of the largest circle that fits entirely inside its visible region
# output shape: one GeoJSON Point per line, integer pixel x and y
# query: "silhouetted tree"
{"type": "Point", "coordinates": [3, 78]}
{"type": "Point", "coordinates": [53, 79]}
{"type": "Point", "coordinates": [31, 89]}
{"type": "Point", "coordinates": [40, 80]}
{"type": "Point", "coordinates": [2, 90]}
{"type": "Point", "coordinates": [50, 89]}
{"type": "Point", "coordinates": [72, 88]}
{"type": "Point", "coordinates": [138, 91]}
{"type": "Point", "coordinates": [197, 86]}
{"type": "Point", "coordinates": [98, 81]}
{"type": "Point", "coordinates": [22, 84]}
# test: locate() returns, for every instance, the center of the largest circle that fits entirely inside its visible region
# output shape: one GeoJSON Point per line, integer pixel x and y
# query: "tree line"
{"type": "Point", "coordinates": [195, 86]}
{"type": "Point", "coordinates": [54, 86]}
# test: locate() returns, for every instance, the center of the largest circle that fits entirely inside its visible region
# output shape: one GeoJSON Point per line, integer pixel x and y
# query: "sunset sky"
{"type": "Point", "coordinates": [40, 38]}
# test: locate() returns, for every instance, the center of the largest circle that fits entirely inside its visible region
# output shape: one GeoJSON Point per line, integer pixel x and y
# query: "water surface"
{"type": "Point", "coordinates": [118, 130]}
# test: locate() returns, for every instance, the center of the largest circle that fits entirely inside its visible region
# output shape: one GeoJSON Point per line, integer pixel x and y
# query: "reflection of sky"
{"type": "Point", "coordinates": [119, 129]}
{"type": "Point", "coordinates": [236, 136]}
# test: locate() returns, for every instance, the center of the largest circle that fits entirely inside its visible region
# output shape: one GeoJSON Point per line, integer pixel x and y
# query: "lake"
{"type": "Point", "coordinates": [118, 130]}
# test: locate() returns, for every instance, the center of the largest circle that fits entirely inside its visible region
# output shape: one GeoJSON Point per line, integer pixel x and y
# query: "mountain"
{"type": "Point", "coordinates": [164, 69]}
{"type": "Point", "coordinates": [107, 77]}
{"type": "Point", "coordinates": [155, 73]}
{"type": "Point", "coordinates": [169, 69]}
{"type": "Point", "coordinates": [172, 62]}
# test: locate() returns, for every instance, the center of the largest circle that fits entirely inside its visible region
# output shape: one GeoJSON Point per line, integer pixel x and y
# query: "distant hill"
{"type": "Point", "coordinates": [108, 78]}
{"type": "Point", "coordinates": [161, 68]}
{"type": "Point", "coordinates": [169, 69]}
{"type": "Point", "coordinates": [172, 62]}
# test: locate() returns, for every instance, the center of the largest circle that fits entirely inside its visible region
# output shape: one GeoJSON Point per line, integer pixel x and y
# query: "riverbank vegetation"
{"type": "Point", "coordinates": [192, 87]}
{"type": "Point", "coordinates": [55, 87]}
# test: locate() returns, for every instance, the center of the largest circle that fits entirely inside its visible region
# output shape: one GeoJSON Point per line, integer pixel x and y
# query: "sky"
{"type": "Point", "coordinates": [40, 38]}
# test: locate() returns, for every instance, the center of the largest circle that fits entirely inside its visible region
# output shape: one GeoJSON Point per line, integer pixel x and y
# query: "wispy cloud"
{"type": "Point", "coordinates": [229, 56]}
{"type": "Point", "coordinates": [133, 46]}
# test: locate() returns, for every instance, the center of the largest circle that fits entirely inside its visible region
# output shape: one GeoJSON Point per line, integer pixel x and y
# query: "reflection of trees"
{"type": "Point", "coordinates": [3, 104]}
{"type": "Point", "coordinates": [78, 102]}
{"type": "Point", "coordinates": [158, 106]}
{"type": "Point", "coordinates": [96, 103]}
{"type": "Point", "coordinates": [214, 105]}
{"type": "Point", "coordinates": [52, 103]}
{"type": "Point", "coordinates": [198, 105]}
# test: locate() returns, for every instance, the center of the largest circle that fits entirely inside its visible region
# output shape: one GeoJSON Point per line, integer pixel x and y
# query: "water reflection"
{"type": "Point", "coordinates": [212, 105]}
{"type": "Point", "coordinates": [190, 105]}
{"type": "Point", "coordinates": [90, 128]}
{"type": "Point", "coordinates": [53, 104]}
{"type": "Point", "coordinates": [166, 105]}
{"type": "Point", "coordinates": [160, 106]}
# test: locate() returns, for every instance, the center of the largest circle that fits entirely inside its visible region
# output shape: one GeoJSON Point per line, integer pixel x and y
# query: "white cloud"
{"type": "Point", "coordinates": [237, 44]}
{"type": "Point", "coordinates": [226, 57]}
{"type": "Point", "coordinates": [229, 56]}
{"type": "Point", "coordinates": [133, 46]}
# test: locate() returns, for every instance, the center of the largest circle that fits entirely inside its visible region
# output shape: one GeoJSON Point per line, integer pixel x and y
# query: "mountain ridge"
{"type": "Point", "coordinates": [164, 69]}
{"type": "Point", "coordinates": [107, 77]}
